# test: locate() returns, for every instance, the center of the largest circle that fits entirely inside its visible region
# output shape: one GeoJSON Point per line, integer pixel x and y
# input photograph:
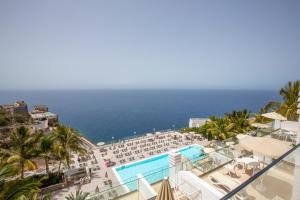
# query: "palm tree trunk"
{"type": "Point", "coordinates": [68, 160]}
{"type": "Point", "coordinates": [47, 165]}
{"type": "Point", "coordinates": [22, 169]}
{"type": "Point", "coordinates": [59, 166]}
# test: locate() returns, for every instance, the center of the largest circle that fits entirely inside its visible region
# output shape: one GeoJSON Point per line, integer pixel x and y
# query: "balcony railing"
{"type": "Point", "coordinates": [278, 180]}
{"type": "Point", "coordinates": [129, 189]}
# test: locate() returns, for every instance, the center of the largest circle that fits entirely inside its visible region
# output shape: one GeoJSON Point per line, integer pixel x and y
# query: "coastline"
{"type": "Point", "coordinates": [87, 142]}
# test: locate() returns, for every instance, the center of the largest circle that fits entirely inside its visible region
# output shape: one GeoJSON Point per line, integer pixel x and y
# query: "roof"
{"type": "Point", "coordinates": [274, 115]}
{"type": "Point", "coordinates": [260, 125]}
{"type": "Point", "coordinates": [195, 120]}
{"type": "Point", "coordinates": [265, 145]}
{"type": "Point", "coordinates": [42, 115]}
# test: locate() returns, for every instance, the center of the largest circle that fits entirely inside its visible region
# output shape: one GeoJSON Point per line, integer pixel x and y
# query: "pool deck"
{"type": "Point", "coordinates": [117, 174]}
{"type": "Point", "coordinates": [124, 152]}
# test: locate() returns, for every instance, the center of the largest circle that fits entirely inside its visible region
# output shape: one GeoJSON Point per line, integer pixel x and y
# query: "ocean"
{"type": "Point", "coordinates": [102, 114]}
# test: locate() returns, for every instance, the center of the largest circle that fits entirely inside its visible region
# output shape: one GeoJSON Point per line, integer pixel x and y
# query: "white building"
{"type": "Point", "coordinates": [52, 119]}
{"type": "Point", "coordinates": [197, 122]}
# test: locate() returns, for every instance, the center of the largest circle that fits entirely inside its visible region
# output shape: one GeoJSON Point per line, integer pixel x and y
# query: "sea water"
{"type": "Point", "coordinates": [103, 114]}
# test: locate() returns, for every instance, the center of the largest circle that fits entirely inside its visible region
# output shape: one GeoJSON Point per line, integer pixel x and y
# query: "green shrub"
{"type": "Point", "coordinates": [52, 179]}
{"type": "Point", "coordinates": [3, 121]}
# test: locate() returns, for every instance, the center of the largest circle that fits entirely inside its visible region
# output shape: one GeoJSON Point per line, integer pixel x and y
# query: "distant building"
{"type": "Point", "coordinates": [17, 115]}
{"type": "Point", "coordinates": [40, 108]}
{"type": "Point", "coordinates": [19, 108]}
{"type": "Point", "coordinates": [42, 116]}
{"type": "Point", "coordinates": [197, 122]}
{"type": "Point", "coordinates": [8, 110]}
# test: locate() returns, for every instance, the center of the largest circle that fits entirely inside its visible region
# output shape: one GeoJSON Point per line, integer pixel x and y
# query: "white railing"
{"type": "Point", "coordinates": [145, 189]}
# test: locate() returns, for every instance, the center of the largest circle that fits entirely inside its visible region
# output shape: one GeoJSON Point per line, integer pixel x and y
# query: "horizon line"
{"type": "Point", "coordinates": [95, 89]}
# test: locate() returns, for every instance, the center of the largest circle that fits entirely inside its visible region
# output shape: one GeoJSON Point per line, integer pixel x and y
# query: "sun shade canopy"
{"type": "Point", "coordinates": [265, 145]}
{"type": "Point", "coordinates": [274, 115]}
{"type": "Point", "coordinates": [165, 192]}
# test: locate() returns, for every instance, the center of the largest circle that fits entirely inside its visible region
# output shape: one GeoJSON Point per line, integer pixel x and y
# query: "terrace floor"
{"type": "Point", "coordinates": [277, 183]}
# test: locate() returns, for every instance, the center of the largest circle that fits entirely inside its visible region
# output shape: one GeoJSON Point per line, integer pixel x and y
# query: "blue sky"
{"type": "Point", "coordinates": [149, 44]}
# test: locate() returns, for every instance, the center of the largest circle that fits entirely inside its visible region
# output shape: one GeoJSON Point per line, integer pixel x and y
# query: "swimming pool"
{"type": "Point", "coordinates": [156, 168]}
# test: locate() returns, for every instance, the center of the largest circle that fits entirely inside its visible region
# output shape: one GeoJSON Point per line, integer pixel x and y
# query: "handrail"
{"type": "Point", "coordinates": [149, 174]}
{"type": "Point", "coordinates": [162, 169]}
{"type": "Point", "coordinates": [258, 174]}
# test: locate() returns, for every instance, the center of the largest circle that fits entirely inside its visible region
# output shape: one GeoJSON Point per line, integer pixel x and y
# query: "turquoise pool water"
{"type": "Point", "coordinates": [156, 168]}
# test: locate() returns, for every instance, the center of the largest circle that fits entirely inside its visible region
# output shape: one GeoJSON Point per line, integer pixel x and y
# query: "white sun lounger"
{"type": "Point", "coordinates": [220, 179]}
{"type": "Point", "coordinates": [225, 184]}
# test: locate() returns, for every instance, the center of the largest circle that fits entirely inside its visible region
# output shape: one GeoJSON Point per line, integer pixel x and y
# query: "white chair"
{"type": "Point", "coordinates": [231, 169]}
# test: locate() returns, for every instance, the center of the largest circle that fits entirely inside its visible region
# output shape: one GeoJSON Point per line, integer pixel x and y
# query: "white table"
{"type": "Point", "coordinates": [248, 161]}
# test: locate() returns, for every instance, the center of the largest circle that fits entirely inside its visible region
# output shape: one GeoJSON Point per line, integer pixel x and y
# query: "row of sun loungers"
{"type": "Point", "coordinates": [124, 150]}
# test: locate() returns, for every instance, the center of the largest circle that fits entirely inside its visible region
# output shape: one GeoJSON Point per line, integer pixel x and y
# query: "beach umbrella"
{"type": "Point", "coordinates": [265, 146]}
{"type": "Point", "coordinates": [260, 125]}
{"type": "Point", "coordinates": [165, 192]}
{"type": "Point", "coordinates": [97, 190]}
{"type": "Point", "coordinates": [106, 175]}
{"type": "Point", "coordinates": [100, 143]}
{"type": "Point", "coordinates": [274, 115]}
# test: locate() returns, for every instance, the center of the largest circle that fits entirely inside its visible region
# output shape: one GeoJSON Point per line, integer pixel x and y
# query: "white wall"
{"type": "Point", "coordinates": [206, 191]}
{"type": "Point", "coordinates": [197, 122]}
{"type": "Point", "coordinates": [290, 125]}
{"type": "Point", "coordinates": [175, 166]}
{"type": "Point", "coordinates": [276, 124]}
{"type": "Point", "coordinates": [145, 188]}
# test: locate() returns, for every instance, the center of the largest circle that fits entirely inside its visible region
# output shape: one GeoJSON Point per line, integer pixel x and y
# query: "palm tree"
{"type": "Point", "coordinates": [78, 196]}
{"type": "Point", "coordinates": [238, 120]}
{"type": "Point", "coordinates": [288, 107]}
{"type": "Point", "coordinates": [220, 129]}
{"type": "Point", "coordinates": [68, 140]}
{"type": "Point", "coordinates": [23, 149]}
{"type": "Point", "coordinates": [6, 171]}
{"type": "Point", "coordinates": [16, 189]}
{"type": "Point", "coordinates": [290, 96]}
{"type": "Point", "coordinates": [229, 126]}
{"type": "Point", "coordinates": [60, 154]}
{"type": "Point", "coordinates": [46, 149]}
